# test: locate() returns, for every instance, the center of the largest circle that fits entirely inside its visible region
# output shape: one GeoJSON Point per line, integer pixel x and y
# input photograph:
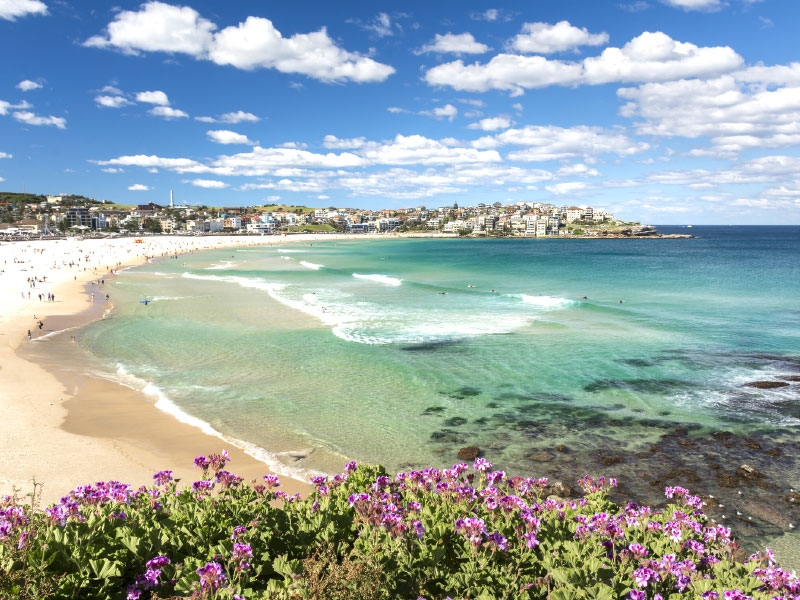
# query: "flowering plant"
{"type": "Point", "coordinates": [463, 532]}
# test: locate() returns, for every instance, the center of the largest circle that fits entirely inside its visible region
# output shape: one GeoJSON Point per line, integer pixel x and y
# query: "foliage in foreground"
{"type": "Point", "coordinates": [460, 533]}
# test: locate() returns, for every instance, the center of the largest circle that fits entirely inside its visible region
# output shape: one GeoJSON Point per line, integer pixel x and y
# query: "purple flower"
{"type": "Point", "coordinates": [237, 531]}
{"type": "Point", "coordinates": [482, 465]}
{"type": "Point", "coordinates": [530, 539]}
{"type": "Point", "coordinates": [202, 486]}
{"type": "Point", "coordinates": [157, 561]}
{"type": "Point", "coordinates": [211, 575]}
{"type": "Point", "coordinates": [271, 481]}
{"type": "Point", "coordinates": [495, 541]}
{"type": "Point", "coordinates": [164, 477]}
{"type": "Point", "coordinates": [202, 462]}
{"type": "Point", "coordinates": [419, 529]}
{"type": "Point", "coordinates": [133, 593]}
{"type": "Point", "coordinates": [351, 466]}
{"type": "Point", "coordinates": [637, 595]}
{"type": "Point", "coordinates": [643, 575]}
{"type": "Point", "coordinates": [241, 551]}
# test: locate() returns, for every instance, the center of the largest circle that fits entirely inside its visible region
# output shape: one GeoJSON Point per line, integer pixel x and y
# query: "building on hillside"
{"type": "Point", "coordinates": [78, 216]}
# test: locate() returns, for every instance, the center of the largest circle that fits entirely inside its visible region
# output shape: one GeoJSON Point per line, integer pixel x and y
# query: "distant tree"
{"type": "Point", "coordinates": [63, 225]}
{"type": "Point", "coordinates": [133, 225]}
{"type": "Point", "coordinates": [152, 225]}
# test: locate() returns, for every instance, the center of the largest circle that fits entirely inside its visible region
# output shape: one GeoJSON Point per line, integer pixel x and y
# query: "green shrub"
{"type": "Point", "coordinates": [459, 533]}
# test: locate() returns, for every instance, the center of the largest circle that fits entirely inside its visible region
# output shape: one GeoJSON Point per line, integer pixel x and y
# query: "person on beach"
{"type": "Point", "coordinates": [29, 334]}
{"type": "Point", "coordinates": [40, 325]}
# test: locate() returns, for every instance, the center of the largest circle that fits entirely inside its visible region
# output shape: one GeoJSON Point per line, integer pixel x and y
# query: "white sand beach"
{"type": "Point", "coordinates": [113, 432]}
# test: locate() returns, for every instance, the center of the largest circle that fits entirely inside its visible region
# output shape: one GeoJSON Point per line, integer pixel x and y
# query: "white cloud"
{"type": "Point", "coordinates": [448, 111]}
{"type": "Point", "coordinates": [167, 112]}
{"type": "Point", "coordinates": [138, 187]}
{"type": "Point", "coordinates": [153, 97]}
{"type": "Point", "coordinates": [694, 4]}
{"type": "Point", "coordinates": [654, 56]}
{"type": "Point", "coordinates": [6, 155]}
{"type": "Point", "coordinates": [111, 101]}
{"type": "Point", "coordinates": [27, 85]}
{"type": "Point", "coordinates": [224, 136]}
{"type": "Point", "coordinates": [231, 117]}
{"type": "Point", "coordinates": [331, 141]}
{"type": "Point", "coordinates": [577, 170]}
{"type": "Point", "coordinates": [5, 106]}
{"type": "Point", "coordinates": [420, 150]}
{"type": "Point", "coordinates": [206, 183]}
{"type": "Point", "coordinates": [736, 112]}
{"type": "Point", "coordinates": [11, 9]}
{"type": "Point", "coordinates": [491, 124]}
{"type": "Point", "coordinates": [254, 43]}
{"type": "Point", "coordinates": [30, 118]}
{"type": "Point", "coordinates": [157, 27]}
{"type": "Point", "coordinates": [181, 165]}
{"type": "Point", "coordinates": [110, 89]}
{"type": "Point", "coordinates": [257, 44]}
{"type": "Point", "coordinates": [1, 179]}
{"type": "Point", "coordinates": [544, 38]}
{"type": "Point", "coordinates": [548, 142]}
{"type": "Point", "coordinates": [461, 43]}
{"type": "Point", "coordinates": [569, 187]}
{"type": "Point", "coordinates": [112, 170]}
{"type": "Point", "coordinates": [648, 57]}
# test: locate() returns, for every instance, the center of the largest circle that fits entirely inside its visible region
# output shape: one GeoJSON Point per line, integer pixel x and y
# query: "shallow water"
{"type": "Point", "coordinates": [403, 351]}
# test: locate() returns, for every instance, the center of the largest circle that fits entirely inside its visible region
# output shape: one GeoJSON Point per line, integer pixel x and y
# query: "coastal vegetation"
{"type": "Point", "coordinates": [464, 532]}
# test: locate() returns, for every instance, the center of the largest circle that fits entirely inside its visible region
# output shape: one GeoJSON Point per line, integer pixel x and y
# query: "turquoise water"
{"type": "Point", "coordinates": [403, 351]}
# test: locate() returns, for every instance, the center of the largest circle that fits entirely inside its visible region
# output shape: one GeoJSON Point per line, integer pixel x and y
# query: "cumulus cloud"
{"type": "Point", "coordinates": [11, 9]}
{"type": "Point", "coordinates": [651, 56]}
{"type": "Point", "coordinates": [238, 116]}
{"type": "Point", "coordinates": [252, 44]}
{"type": "Point", "coordinates": [544, 38]}
{"type": "Point", "coordinates": [460, 43]}
{"type": "Point", "coordinates": [30, 118]}
{"type": "Point", "coordinates": [6, 155]}
{"type": "Point", "coordinates": [157, 27]}
{"type": "Point", "coordinates": [181, 165]}
{"type": "Point", "coordinates": [111, 101]}
{"type": "Point", "coordinates": [138, 187]}
{"type": "Point", "coordinates": [548, 142]}
{"type": "Point", "coordinates": [256, 43]}
{"type": "Point", "coordinates": [491, 124]}
{"type": "Point", "coordinates": [206, 183]}
{"type": "Point", "coordinates": [112, 170]}
{"type": "Point", "coordinates": [27, 85]}
{"type": "Point", "coordinates": [167, 112]}
{"type": "Point", "coordinates": [153, 97]}
{"type": "Point", "coordinates": [448, 111]}
{"type": "Point", "coordinates": [224, 136]}
{"type": "Point", "coordinates": [331, 141]}
{"type": "Point", "coordinates": [736, 112]}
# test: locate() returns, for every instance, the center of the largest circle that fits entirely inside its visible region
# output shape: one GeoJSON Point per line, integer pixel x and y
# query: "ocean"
{"type": "Point", "coordinates": [557, 358]}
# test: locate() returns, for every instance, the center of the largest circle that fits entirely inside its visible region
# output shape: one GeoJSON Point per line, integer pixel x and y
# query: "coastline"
{"type": "Point", "coordinates": [69, 428]}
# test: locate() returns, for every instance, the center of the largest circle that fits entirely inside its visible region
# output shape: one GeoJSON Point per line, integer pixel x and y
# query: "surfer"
{"type": "Point", "coordinates": [442, 293]}
{"type": "Point", "coordinates": [583, 298]}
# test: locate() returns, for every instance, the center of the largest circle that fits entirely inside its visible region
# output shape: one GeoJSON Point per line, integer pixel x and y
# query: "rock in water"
{"type": "Point", "coordinates": [749, 472]}
{"type": "Point", "coordinates": [469, 453]}
{"type": "Point", "coordinates": [766, 385]}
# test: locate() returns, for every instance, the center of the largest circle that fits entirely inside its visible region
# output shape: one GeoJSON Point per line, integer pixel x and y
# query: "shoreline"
{"type": "Point", "coordinates": [70, 428]}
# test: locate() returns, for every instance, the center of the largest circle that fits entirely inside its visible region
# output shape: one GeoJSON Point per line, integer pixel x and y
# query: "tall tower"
{"type": "Point", "coordinates": [171, 202]}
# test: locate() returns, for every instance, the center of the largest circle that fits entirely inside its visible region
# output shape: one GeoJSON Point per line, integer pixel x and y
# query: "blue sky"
{"type": "Point", "coordinates": [664, 111]}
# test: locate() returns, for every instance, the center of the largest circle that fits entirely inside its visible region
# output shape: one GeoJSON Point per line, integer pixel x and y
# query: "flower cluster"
{"type": "Point", "coordinates": [460, 530]}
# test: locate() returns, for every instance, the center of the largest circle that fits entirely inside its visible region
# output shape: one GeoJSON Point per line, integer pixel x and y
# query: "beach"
{"type": "Point", "coordinates": [64, 429]}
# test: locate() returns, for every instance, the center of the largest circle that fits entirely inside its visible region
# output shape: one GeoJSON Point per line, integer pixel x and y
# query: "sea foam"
{"type": "Point", "coordinates": [384, 279]}
{"type": "Point", "coordinates": [165, 404]}
{"type": "Point", "coordinates": [311, 265]}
